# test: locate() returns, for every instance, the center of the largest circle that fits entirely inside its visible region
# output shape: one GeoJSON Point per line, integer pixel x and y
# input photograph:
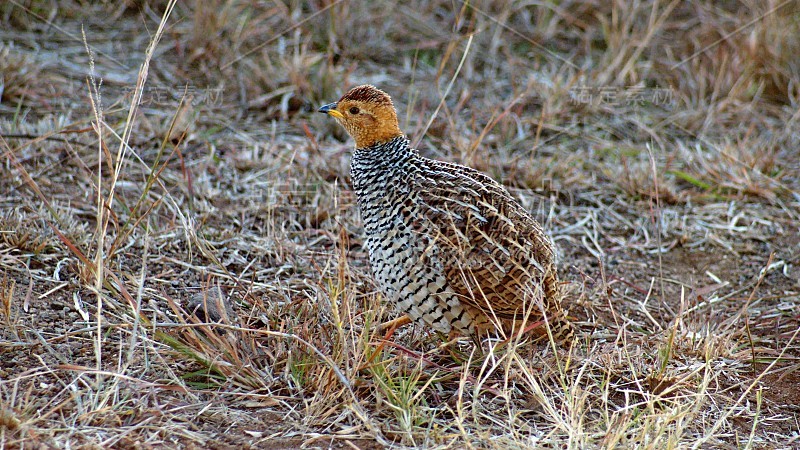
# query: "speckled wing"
{"type": "Point", "coordinates": [494, 255]}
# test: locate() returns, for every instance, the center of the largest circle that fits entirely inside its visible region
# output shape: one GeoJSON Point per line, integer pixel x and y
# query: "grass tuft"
{"type": "Point", "coordinates": [182, 263]}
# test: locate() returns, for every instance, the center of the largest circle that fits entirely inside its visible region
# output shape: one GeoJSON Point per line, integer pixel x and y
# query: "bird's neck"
{"type": "Point", "coordinates": [385, 155]}
{"type": "Point", "coordinates": [388, 169]}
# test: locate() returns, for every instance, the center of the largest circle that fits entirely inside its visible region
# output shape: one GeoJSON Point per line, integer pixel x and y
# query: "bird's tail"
{"type": "Point", "coordinates": [559, 326]}
{"type": "Point", "coordinates": [560, 329]}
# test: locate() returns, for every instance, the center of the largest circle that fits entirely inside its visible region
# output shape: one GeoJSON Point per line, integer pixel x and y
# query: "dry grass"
{"type": "Point", "coordinates": [189, 271]}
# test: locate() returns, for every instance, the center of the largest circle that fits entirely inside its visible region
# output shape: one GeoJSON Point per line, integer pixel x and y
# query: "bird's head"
{"type": "Point", "coordinates": [368, 115]}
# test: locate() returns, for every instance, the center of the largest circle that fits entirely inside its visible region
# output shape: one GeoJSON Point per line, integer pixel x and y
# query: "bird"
{"type": "Point", "coordinates": [448, 245]}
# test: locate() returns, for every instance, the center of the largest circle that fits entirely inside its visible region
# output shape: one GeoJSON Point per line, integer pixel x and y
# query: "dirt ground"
{"type": "Point", "coordinates": [676, 219]}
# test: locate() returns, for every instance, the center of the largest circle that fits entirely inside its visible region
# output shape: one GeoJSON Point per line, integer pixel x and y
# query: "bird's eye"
{"type": "Point", "coordinates": [354, 110]}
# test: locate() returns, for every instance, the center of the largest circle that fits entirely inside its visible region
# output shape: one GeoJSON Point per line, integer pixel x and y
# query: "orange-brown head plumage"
{"type": "Point", "coordinates": [368, 115]}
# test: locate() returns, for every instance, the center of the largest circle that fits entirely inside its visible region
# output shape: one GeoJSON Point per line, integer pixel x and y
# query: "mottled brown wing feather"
{"type": "Point", "coordinates": [490, 248]}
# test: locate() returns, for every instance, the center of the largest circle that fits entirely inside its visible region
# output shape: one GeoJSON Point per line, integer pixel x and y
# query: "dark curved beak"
{"type": "Point", "coordinates": [328, 108]}
{"type": "Point", "coordinates": [331, 110]}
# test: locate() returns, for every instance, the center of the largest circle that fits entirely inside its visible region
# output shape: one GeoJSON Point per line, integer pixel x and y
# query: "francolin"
{"type": "Point", "coordinates": [448, 245]}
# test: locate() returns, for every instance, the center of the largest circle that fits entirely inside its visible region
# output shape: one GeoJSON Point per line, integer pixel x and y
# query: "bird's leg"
{"type": "Point", "coordinates": [527, 330]}
{"type": "Point", "coordinates": [534, 326]}
{"type": "Point", "coordinates": [391, 326]}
